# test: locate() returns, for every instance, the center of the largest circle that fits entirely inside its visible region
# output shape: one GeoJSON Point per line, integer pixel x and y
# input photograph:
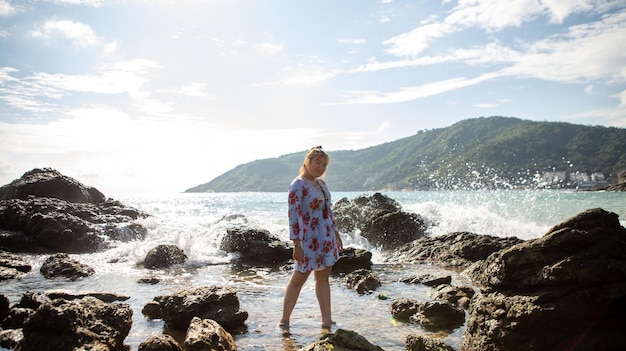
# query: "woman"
{"type": "Point", "coordinates": [316, 240]}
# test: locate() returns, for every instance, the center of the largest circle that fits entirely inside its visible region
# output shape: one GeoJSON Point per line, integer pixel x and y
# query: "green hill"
{"type": "Point", "coordinates": [479, 153]}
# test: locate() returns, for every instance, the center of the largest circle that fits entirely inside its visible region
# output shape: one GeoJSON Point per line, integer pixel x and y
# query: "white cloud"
{"type": "Point", "coordinates": [6, 8]}
{"type": "Point", "coordinates": [77, 32]}
{"type": "Point", "coordinates": [414, 92]}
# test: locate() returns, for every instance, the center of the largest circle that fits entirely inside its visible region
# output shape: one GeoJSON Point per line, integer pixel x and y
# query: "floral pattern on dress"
{"type": "Point", "coordinates": [312, 221]}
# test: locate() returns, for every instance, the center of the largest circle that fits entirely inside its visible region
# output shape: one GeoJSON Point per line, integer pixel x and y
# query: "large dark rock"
{"type": "Point", "coordinates": [363, 281]}
{"type": "Point", "coordinates": [256, 245]}
{"type": "Point", "coordinates": [380, 220]}
{"type": "Point", "coordinates": [47, 182]}
{"type": "Point", "coordinates": [61, 265]}
{"type": "Point", "coordinates": [85, 323]}
{"type": "Point", "coordinates": [457, 249]}
{"type": "Point", "coordinates": [217, 303]}
{"type": "Point", "coordinates": [416, 342]}
{"type": "Point", "coordinates": [46, 212]}
{"type": "Point", "coordinates": [565, 290]}
{"type": "Point", "coordinates": [341, 339]}
{"type": "Point", "coordinates": [351, 259]}
{"type": "Point", "coordinates": [164, 256]}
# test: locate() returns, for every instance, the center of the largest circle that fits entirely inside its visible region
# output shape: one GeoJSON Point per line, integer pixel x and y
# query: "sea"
{"type": "Point", "coordinates": [195, 223]}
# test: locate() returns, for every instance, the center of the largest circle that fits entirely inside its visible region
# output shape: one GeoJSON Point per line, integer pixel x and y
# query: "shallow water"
{"type": "Point", "coordinates": [193, 222]}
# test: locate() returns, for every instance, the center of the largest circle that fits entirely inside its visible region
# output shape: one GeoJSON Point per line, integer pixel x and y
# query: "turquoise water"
{"type": "Point", "coordinates": [194, 223]}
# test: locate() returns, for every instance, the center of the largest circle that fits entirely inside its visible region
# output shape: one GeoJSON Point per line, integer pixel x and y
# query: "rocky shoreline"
{"type": "Point", "coordinates": [565, 290]}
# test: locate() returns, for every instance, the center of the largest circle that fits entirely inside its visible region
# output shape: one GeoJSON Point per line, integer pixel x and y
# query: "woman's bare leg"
{"type": "Point", "coordinates": [292, 291]}
{"type": "Point", "coordinates": [322, 290]}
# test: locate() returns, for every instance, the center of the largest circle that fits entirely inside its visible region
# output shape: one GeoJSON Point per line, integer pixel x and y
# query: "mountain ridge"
{"type": "Point", "coordinates": [478, 153]}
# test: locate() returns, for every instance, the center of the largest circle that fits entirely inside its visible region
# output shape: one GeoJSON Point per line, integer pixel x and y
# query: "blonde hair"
{"type": "Point", "coordinates": [310, 155]}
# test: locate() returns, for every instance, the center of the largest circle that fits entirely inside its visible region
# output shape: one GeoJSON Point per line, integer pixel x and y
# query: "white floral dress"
{"type": "Point", "coordinates": [311, 220]}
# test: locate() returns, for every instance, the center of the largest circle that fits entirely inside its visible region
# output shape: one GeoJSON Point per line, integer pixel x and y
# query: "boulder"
{"type": "Point", "coordinates": [86, 323]}
{"type": "Point", "coordinates": [351, 259]}
{"type": "Point", "coordinates": [61, 265]}
{"type": "Point", "coordinates": [256, 245]}
{"type": "Point", "coordinates": [438, 315]}
{"type": "Point", "coordinates": [208, 335]}
{"type": "Point", "coordinates": [564, 290]}
{"type": "Point", "coordinates": [455, 250]}
{"type": "Point", "coordinates": [341, 339]}
{"type": "Point", "coordinates": [45, 211]}
{"type": "Point", "coordinates": [164, 256]}
{"type": "Point", "coordinates": [363, 281]}
{"type": "Point", "coordinates": [9, 338]}
{"type": "Point", "coordinates": [162, 342]}
{"type": "Point", "coordinates": [380, 220]}
{"type": "Point", "coordinates": [403, 308]}
{"type": "Point", "coordinates": [217, 303]}
{"type": "Point", "coordinates": [47, 182]}
{"type": "Point", "coordinates": [12, 266]}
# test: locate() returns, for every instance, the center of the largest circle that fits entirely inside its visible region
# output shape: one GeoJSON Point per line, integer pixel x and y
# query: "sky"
{"type": "Point", "coordinates": [138, 96]}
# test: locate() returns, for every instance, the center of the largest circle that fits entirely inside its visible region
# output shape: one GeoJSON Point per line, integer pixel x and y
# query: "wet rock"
{"type": "Point", "coordinates": [438, 315]}
{"type": "Point", "coordinates": [351, 259]}
{"type": "Point", "coordinates": [428, 279]}
{"type": "Point", "coordinates": [416, 342]}
{"type": "Point", "coordinates": [164, 256]}
{"type": "Point", "coordinates": [207, 334]}
{"type": "Point", "coordinates": [61, 265]}
{"type": "Point", "coordinates": [45, 211]}
{"type": "Point", "coordinates": [217, 303]}
{"type": "Point", "coordinates": [456, 295]}
{"type": "Point", "coordinates": [86, 323]}
{"type": "Point", "coordinates": [380, 220]}
{"type": "Point", "coordinates": [341, 339]}
{"type": "Point", "coordinates": [457, 249]}
{"type": "Point", "coordinates": [12, 266]}
{"type": "Point", "coordinates": [403, 308]}
{"type": "Point", "coordinates": [256, 245]}
{"type": "Point", "coordinates": [161, 342]}
{"type": "Point", "coordinates": [363, 281]}
{"type": "Point", "coordinates": [47, 182]}
{"type": "Point", "coordinates": [4, 307]}
{"type": "Point", "coordinates": [564, 290]}
{"type": "Point", "coordinates": [621, 182]}
{"type": "Point", "coordinates": [152, 310]}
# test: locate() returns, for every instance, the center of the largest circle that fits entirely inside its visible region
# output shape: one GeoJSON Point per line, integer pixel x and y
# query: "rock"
{"type": "Point", "coordinates": [217, 303]}
{"type": "Point", "coordinates": [4, 307]}
{"type": "Point", "coordinates": [256, 245]}
{"type": "Point", "coordinates": [341, 339]}
{"type": "Point", "coordinates": [47, 182]}
{"type": "Point", "coordinates": [87, 324]}
{"type": "Point", "coordinates": [16, 317]}
{"type": "Point", "coordinates": [164, 256]}
{"type": "Point", "coordinates": [416, 342]}
{"type": "Point", "coordinates": [403, 308]}
{"type": "Point", "coordinates": [456, 295]}
{"type": "Point", "coordinates": [428, 280]}
{"type": "Point", "coordinates": [12, 266]}
{"type": "Point", "coordinates": [161, 342]}
{"type": "Point", "coordinates": [61, 265]}
{"type": "Point", "coordinates": [208, 335]}
{"type": "Point", "coordinates": [456, 250]}
{"type": "Point", "coordinates": [351, 259]}
{"type": "Point", "coordinates": [438, 315]}
{"type": "Point", "coordinates": [44, 211]}
{"type": "Point", "coordinates": [152, 310]}
{"type": "Point", "coordinates": [363, 281]}
{"type": "Point", "coordinates": [9, 338]}
{"type": "Point", "coordinates": [380, 220]}
{"type": "Point", "coordinates": [564, 290]}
